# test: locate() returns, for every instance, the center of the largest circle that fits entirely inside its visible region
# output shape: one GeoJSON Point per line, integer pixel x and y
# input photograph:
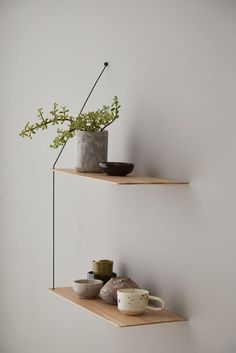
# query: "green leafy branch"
{"type": "Point", "coordinates": [91, 121]}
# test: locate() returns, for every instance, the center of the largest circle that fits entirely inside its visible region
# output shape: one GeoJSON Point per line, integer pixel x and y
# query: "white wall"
{"type": "Point", "coordinates": [172, 64]}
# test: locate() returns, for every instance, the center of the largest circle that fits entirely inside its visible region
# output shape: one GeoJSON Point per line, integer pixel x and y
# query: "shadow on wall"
{"type": "Point", "coordinates": [156, 149]}
{"type": "Point", "coordinates": [142, 150]}
{"type": "Point", "coordinates": [155, 338]}
{"type": "Point", "coordinates": [122, 269]}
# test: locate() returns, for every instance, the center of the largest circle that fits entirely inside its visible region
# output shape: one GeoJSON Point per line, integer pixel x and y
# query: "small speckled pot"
{"type": "Point", "coordinates": [135, 301]}
{"type": "Point", "coordinates": [87, 288]}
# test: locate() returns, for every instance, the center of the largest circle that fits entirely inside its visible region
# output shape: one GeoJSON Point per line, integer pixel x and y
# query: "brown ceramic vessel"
{"type": "Point", "coordinates": [108, 292]}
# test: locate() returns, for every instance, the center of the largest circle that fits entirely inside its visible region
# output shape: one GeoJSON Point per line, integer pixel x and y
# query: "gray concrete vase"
{"type": "Point", "coordinates": [91, 149]}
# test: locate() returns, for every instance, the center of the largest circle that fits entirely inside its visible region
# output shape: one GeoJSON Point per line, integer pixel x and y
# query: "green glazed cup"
{"type": "Point", "coordinates": [102, 267]}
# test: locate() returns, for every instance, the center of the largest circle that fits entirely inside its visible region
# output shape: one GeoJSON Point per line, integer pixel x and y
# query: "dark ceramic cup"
{"type": "Point", "coordinates": [102, 267]}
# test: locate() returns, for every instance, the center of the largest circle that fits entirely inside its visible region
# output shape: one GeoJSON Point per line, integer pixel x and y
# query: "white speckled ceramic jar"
{"type": "Point", "coordinates": [90, 150]}
{"type": "Point", "coordinates": [135, 301]}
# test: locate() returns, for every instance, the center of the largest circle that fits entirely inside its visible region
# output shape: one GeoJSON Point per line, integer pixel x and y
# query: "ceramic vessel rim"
{"type": "Point", "coordinates": [117, 164]}
{"type": "Point", "coordinates": [87, 282]}
{"type": "Point", "coordinates": [119, 278]}
{"type": "Point", "coordinates": [103, 261]}
{"type": "Point", "coordinates": [105, 132]}
{"type": "Point", "coordinates": [133, 291]}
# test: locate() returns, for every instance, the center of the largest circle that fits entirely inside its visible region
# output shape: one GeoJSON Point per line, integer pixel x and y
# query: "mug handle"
{"type": "Point", "coordinates": [156, 299]}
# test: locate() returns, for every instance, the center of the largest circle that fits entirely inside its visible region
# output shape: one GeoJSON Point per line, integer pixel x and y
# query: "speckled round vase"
{"type": "Point", "coordinates": [91, 149]}
{"type": "Point", "coordinates": [108, 292]}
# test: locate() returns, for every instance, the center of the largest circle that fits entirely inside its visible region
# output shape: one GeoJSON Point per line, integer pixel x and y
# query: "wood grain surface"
{"type": "Point", "coordinates": [127, 180]}
{"type": "Point", "coordinates": [112, 314]}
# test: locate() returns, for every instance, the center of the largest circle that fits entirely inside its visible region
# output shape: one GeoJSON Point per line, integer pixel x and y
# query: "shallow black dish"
{"type": "Point", "coordinates": [116, 168]}
{"type": "Point", "coordinates": [104, 278]}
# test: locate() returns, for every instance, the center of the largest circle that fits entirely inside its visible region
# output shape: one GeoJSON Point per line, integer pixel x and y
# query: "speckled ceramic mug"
{"type": "Point", "coordinates": [135, 301]}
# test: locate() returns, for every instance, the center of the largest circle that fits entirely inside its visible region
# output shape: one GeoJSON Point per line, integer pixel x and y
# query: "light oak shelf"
{"type": "Point", "coordinates": [112, 314]}
{"type": "Point", "coordinates": [127, 180]}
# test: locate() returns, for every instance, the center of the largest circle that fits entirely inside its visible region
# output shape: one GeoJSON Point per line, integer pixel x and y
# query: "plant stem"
{"type": "Point", "coordinates": [104, 127]}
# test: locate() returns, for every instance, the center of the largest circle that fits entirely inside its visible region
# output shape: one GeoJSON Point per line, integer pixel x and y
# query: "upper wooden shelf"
{"type": "Point", "coordinates": [112, 314]}
{"type": "Point", "coordinates": [127, 180]}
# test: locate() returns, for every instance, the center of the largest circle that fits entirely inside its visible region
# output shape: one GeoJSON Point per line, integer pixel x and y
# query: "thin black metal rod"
{"type": "Point", "coordinates": [53, 229]}
{"type": "Point", "coordinates": [54, 180]}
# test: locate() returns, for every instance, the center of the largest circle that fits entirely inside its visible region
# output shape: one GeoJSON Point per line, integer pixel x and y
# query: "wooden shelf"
{"type": "Point", "coordinates": [112, 314]}
{"type": "Point", "coordinates": [127, 180]}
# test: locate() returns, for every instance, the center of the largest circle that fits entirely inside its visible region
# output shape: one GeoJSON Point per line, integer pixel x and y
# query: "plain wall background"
{"type": "Point", "coordinates": [172, 64]}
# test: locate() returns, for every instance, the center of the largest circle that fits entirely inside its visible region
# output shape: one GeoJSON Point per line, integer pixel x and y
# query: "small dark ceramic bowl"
{"type": "Point", "coordinates": [104, 278]}
{"type": "Point", "coordinates": [116, 168]}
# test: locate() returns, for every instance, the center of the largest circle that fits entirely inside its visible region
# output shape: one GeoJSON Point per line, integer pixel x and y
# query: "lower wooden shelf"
{"type": "Point", "coordinates": [121, 180]}
{"type": "Point", "coordinates": [112, 314]}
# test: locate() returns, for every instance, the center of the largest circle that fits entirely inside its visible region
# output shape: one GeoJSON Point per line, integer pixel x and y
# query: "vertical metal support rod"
{"type": "Point", "coordinates": [54, 181]}
{"type": "Point", "coordinates": [53, 229]}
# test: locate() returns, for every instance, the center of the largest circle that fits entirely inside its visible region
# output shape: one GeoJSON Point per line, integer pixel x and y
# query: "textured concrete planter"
{"type": "Point", "coordinates": [91, 148]}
